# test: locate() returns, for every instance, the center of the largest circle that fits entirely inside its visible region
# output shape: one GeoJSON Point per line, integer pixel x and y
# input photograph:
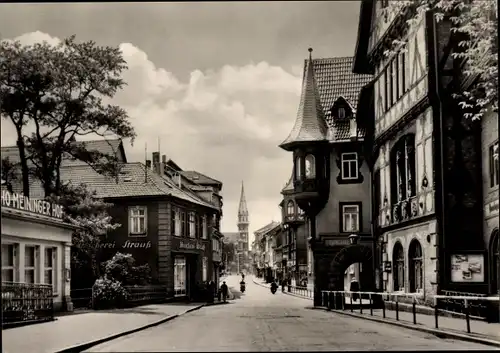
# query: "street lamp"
{"type": "Point", "coordinates": [353, 239]}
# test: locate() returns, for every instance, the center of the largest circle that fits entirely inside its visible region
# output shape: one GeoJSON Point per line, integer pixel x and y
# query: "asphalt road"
{"type": "Point", "coordinates": [260, 321]}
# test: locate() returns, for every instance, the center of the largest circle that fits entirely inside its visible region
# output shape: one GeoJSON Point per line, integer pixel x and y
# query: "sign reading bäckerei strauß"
{"type": "Point", "coordinates": [21, 202]}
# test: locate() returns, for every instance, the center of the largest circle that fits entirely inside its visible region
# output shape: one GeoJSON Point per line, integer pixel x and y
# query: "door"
{"type": "Point", "coordinates": [180, 276]}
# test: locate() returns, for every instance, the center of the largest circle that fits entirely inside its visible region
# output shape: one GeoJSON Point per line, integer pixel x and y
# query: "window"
{"type": "Point", "coordinates": [138, 217]}
{"type": "Point", "coordinates": [204, 227]}
{"type": "Point", "coordinates": [9, 263]}
{"type": "Point", "coordinates": [494, 168]}
{"type": "Point", "coordinates": [349, 163]}
{"type": "Point", "coordinates": [290, 208]}
{"type": "Point", "coordinates": [183, 223]}
{"type": "Point", "coordinates": [341, 113]}
{"type": "Point", "coordinates": [192, 224]}
{"type": "Point", "coordinates": [199, 226]}
{"type": "Point", "coordinates": [30, 264]}
{"type": "Point", "coordinates": [403, 169]}
{"type": "Point", "coordinates": [350, 218]}
{"type": "Point", "coordinates": [49, 270]}
{"type": "Point", "coordinates": [310, 167]}
{"type": "Point", "coordinates": [298, 168]}
{"type": "Point", "coordinates": [205, 269]}
{"type": "Point", "coordinates": [398, 260]}
{"type": "Point", "coordinates": [416, 267]}
{"type": "Point", "coordinates": [394, 79]}
{"type": "Point", "coordinates": [179, 276]}
{"type": "Point", "coordinates": [176, 221]}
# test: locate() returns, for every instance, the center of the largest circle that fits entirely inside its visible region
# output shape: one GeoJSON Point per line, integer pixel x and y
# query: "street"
{"type": "Point", "coordinates": [260, 321]}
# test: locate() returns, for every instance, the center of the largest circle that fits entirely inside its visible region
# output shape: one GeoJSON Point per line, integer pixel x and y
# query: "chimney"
{"type": "Point", "coordinates": [148, 163]}
{"type": "Point", "coordinates": [156, 162]}
{"type": "Point", "coordinates": [163, 163]}
{"type": "Point", "coordinates": [164, 158]}
{"type": "Point", "coordinates": [353, 129]}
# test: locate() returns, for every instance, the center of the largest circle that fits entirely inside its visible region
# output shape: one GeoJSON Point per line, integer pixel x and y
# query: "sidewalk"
{"type": "Point", "coordinates": [480, 330]}
{"type": "Point", "coordinates": [72, 330]}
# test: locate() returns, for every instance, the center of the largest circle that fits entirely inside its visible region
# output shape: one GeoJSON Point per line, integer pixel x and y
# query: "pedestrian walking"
{"type": "Point", "coordinates": [224, 291]}
{"type": "Point", "coordinates": [354, 287]}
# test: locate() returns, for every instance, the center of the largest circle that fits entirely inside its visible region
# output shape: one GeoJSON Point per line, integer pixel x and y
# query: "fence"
{"type": "Point", "coordinates": [139, 295]}
{"type": "Point", "coordinates": [302, 291]}
{"type": "Point", "coordinates": [26, 303]}
{"type": "Point", "coordinates": [81, 298]}
{"type": "Point", "coordinates": [337, 300]}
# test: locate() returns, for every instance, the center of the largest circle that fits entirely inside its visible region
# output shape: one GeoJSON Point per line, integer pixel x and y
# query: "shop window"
{"type": "Point", "coordinates": [205, 269]}
{"type": "Point", "coordinates": [30, 264]}
{"type": "Point", "coordinates": [176, 221]}
{"type": "Point", "coordinates": [349, 165]}
{"type": "Point", "coordinates": [49, 270]}
{"type": "Point", "coordinates": [9, 263]}
{"type": "Point", "coordinates": [398, 260]}
{"type": "Point", "coordinates": [138, 221]}
{"type": "Point", "coordinates": [494, 165]}
{"type": "Point", "coordinates": [403, 169]}
{"type": "Point", "coordinates": [350, 218]}
{"type": "Point", "coordinates": [192, 224]}
{"type": "Point", "coordinates": [416, 267]}
{"type": "Point", "coordinates": [204, 227]}
{"type": "Point", "coordinates": [179, 276]}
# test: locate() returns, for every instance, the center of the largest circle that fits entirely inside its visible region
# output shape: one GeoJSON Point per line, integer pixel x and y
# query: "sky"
{"type": "Point", "coordinates": [217, 83]}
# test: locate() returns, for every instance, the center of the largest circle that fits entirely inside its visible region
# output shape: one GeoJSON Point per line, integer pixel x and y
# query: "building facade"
{"type": "Point", "coordinates": [36, 251]}
{"type": "Point", "coordinates": [331, 179]}
{"type": "Point", "coordinates": [427, 176]}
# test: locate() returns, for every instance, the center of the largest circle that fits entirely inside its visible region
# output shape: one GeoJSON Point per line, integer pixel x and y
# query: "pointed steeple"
{"type": "Point", "coordinates": [242, 209]}
{"type": "Point", "coordinates": [310, 125]}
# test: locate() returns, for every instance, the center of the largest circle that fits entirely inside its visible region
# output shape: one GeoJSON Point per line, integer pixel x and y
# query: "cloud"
{"type": "Point", "coordinates": [225, 122]}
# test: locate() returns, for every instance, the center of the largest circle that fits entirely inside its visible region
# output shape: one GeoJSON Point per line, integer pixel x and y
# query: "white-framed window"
{"type": "Point", "coordinates": [138, 221]}
{"type": "Point", "coordinates": [205, 269]}
{"type": "Point", "coordinates": [350, 218]}
{"type": "Point", "coordinates": [349, 163]}
{"type": "Point", "coordinates": [176, 221]}
{"type": "Point", "coordinates": [179, 276]}
{"type": "Point", "coordinates": [310, 166]}
{"type": "Point", "coordinates": [204, 231]}
{"type": "Point", "coordinates": [31, 264]}
{"type": "Point", "coordinates": [49, 268]}
{"type": "Point", "coordinates": [10, 263]}
{"type": "Point", "coordinates": [192, 224]}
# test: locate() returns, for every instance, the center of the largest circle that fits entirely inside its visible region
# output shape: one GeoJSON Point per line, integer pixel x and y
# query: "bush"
{"type": "Point", "coordinates": [108, 293]}
{"type": "Point", "coordinates": [122, 268]}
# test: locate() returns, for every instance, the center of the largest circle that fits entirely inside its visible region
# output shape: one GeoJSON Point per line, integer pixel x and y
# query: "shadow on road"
{"type": "Point", "coordinates": [236, 294]}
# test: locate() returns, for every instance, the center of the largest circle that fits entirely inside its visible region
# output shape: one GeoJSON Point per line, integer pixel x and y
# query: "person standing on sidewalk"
{"type": "Point", "coordinates": [224, 290]}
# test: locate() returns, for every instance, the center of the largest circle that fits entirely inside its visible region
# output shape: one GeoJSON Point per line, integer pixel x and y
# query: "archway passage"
{"type": "Point", "coordinates": [345, 258]}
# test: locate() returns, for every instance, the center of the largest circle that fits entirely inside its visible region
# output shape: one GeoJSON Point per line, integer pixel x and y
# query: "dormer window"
{"type": "Point", "coordinates": [341, 113]}
{"type": "Point", "coordinates": [310, 167]}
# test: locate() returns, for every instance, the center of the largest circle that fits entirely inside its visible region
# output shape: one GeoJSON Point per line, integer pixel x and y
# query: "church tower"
{"type": "Point", "coordinates": [243, 222]}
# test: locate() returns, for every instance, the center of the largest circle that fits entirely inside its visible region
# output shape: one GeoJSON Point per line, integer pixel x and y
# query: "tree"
{"type": "Point", "coordinates": [122, 268]}
{"type": "Point", "coordinates": [475, 28]}
{"type": "Point", "coordinates": [60, 91]}
{"type": "Point", "coordinates": [89, 213]}
{"type": "Point", "coordinates": [9, 175]}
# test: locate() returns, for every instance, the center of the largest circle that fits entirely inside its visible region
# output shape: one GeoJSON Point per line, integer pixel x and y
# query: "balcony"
{"type": "Point", "coordinates": [304, 189]}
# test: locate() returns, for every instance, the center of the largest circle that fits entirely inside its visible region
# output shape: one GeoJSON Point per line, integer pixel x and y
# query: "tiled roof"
{"type": "Point", "coordinates": [268, 227]}
{"type": "Point", "coordinates": [112, 147]}
{"type": "Point", "coordinates": [340, 130]}
{"type": "Point", "coordinates": [131, 182]}
{"type": "Point", "coordinates": [289, 185]}
{"type": "Point", "coordinates": [310, 124]}
{"type": "Point", "coordinates": [199, 178]}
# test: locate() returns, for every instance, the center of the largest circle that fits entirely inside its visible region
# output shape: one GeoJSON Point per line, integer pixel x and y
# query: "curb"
{"type": "Point", "coordinates": [436, 332]}
{"type": "Point", "coordinates": [84, 346]}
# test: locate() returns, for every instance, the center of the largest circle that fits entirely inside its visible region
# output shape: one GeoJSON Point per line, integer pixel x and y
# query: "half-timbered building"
{"type": "Point", "coordinates": [426, 157]}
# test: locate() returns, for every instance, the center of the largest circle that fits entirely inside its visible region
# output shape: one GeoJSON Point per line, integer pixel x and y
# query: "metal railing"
{"type": "Point", "coordinates": [302, 291]}
{"type": "Point", "coordinates": [26, 303]}
{"type": "Point", "coordinates": [336, 300]}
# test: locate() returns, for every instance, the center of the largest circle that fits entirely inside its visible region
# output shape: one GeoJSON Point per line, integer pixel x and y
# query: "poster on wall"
{"type": "Point", "coordinates": [467, 268]}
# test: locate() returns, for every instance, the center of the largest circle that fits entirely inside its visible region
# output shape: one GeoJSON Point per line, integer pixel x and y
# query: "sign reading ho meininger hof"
{"type": "Point", "coordinates": [21, 202]}
{"type": "Point", "coordinates": [467, 268]}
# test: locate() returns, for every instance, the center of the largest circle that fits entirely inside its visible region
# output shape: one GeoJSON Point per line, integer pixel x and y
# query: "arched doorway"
{"type": "Point", "coordinates": [346, 257]}
{"type": "Point", "coordinates": [494, 262]}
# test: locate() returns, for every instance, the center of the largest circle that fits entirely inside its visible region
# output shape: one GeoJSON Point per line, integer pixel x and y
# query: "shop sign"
{"type": "Point", "coordinates": [191, 245]}
{"type": "Point", "coordinates": [21, 202]}
{"type": "Point", "coordinates": [336, 242]}
{"type": "Point", "coordinates": [467, 268]}
{"type": "Point", "coordinates": [127, 245]}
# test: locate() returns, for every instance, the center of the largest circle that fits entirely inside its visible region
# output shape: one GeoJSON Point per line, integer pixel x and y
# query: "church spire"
{"type": "Point", "coordinates": [243, 210]}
